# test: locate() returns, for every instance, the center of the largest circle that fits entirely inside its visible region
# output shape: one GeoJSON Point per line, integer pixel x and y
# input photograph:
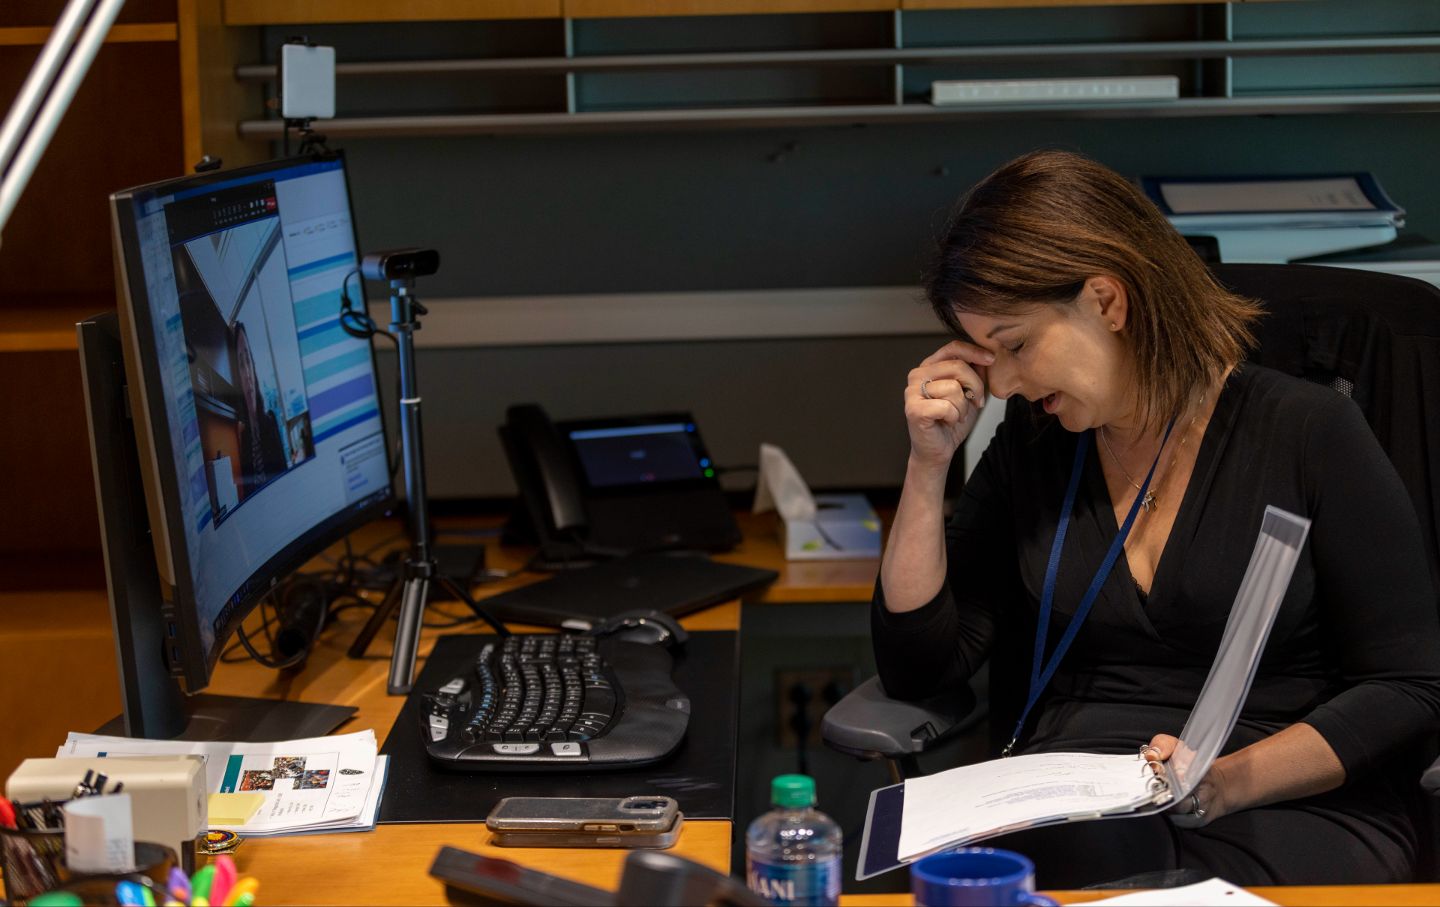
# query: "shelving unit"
{"type": "Point", "coordinates": [55, 270]}
{"type": "Point", "coordinates": [860, 63]}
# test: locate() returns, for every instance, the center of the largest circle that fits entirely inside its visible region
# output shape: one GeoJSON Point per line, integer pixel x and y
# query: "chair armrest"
{"type": "Point", "coordinates": [869, 724]}
{"type": "Point", "coordinates": [1430, 779]}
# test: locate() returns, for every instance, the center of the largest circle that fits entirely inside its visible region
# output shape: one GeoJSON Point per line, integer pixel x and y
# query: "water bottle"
{"type": "Point", "coordinates": [792, 853]}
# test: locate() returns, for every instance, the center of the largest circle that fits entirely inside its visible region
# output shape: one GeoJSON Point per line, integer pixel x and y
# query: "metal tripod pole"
{"type": "Point", "coordinates": [412, 588]}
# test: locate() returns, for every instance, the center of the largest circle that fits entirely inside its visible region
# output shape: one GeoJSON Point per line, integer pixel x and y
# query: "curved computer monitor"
{"type": "Point", "coordinates": [257, 419]}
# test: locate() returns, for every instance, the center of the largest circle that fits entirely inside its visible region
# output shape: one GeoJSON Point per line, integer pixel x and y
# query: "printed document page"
{"type": "Point", "coordinates": [315, 781]}
{"type": "Point", "coordinates": [974, 801]}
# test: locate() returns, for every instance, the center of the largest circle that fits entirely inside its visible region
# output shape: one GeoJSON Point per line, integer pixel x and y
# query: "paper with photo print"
{"type": "Point", "coordinates": [305, 783]}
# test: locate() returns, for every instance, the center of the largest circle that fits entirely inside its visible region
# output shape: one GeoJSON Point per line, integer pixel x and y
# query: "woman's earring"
{"type": "Point", "coordinates": [1114, 326]}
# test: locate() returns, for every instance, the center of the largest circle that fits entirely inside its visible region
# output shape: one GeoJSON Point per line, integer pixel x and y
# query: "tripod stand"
{"type": "Point", "coordinates": [411, 589]}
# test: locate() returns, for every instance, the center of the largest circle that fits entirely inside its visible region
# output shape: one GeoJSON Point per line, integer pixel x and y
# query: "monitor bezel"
{"type": "Point", "coordinates": [185, 655]}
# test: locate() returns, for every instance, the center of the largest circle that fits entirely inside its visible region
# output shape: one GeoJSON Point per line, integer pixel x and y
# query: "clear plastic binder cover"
{"type": "Point", "coordinates": [1272, 563]}
{"type": "Point", "coordinates": [974, 802]}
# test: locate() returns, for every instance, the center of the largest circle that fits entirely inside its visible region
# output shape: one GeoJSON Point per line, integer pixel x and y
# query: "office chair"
{"type": "Point", "coordinates": [1371, 336]}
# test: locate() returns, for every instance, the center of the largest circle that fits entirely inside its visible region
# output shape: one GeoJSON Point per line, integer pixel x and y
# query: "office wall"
{"type": "Point", "coordinates": [756, 210]}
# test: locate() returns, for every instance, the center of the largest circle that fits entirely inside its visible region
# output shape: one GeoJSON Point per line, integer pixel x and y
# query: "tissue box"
{"type": "Point", "coordinates": [845, 527]}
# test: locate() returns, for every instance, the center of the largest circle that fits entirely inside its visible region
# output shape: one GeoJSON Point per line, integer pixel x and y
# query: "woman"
{"type": "Point", "coordinates": [1067, 288]}
{"type": "Point", "coordinates": [262, 454]}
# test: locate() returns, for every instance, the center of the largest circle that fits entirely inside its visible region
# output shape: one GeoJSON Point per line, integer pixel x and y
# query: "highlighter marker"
{"type": "Point", "coordinates": [242, 890]}
{"type": "Point", "coordinates": [128, 894]}
{"type": "Point", "coordinates": [200, 886]}
{"type": "Point", "coordinates": [178, 885]}
{"type": "Point", "coordinates": [223, 880]}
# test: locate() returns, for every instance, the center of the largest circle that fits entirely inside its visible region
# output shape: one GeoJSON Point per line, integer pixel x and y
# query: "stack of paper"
{"type": "Point", "coordinates": [322, 784]}
{"type": "Point", "coordinates": [1279, 218]}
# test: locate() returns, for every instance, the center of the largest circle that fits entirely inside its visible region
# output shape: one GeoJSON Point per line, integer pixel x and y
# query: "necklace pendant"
{"type": "Point", "coordinates": [1147, 503]}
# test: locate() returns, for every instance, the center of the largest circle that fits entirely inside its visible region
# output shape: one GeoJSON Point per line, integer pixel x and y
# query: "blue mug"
{"type": "Point", "coordinates": [975, 877]}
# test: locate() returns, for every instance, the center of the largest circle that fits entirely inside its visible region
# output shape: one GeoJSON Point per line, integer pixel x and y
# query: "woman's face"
{"type": "Point", "coordinates": [1070, 357]}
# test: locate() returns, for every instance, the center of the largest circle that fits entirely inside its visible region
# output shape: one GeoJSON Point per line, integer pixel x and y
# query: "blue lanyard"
{"type": "Point", "coordinates": [1040, 670]}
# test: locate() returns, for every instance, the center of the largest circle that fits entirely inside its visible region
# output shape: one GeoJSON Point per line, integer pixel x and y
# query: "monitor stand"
{"type": "Point", "coordinates": [154, 706]}
{"type": "Point", "coordinates": [211, 717]}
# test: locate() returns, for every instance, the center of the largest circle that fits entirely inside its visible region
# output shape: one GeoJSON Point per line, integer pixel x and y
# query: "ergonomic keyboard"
{"type": "Point", "coordinates": [548, 701]}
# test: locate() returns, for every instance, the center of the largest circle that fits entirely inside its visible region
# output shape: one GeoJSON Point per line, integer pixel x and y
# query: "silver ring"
{"type": "Point", "coordinates": [925, 388]}
{"type": "Point", "coordinates": [1195, 809]}
{"type": "Point", "coordinates": [969, 394]}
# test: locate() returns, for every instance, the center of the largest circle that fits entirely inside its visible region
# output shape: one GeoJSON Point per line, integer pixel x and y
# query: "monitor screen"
{"type": "Point", "coordinates": [640, 452]}
{"type": "Point", "coordinates": [260, 414]}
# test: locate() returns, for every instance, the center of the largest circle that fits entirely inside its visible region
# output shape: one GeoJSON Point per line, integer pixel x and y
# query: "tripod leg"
{"type": "Point", "coordinates": [376, 621]}
{"type": "Point", "coordinates": [459, 591]}
{"type": "Point", "coordinates": [407, 635]}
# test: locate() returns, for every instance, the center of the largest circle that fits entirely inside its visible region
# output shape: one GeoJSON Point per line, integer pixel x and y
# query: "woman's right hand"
{"type": "Point", "coordinates": [943, 400]}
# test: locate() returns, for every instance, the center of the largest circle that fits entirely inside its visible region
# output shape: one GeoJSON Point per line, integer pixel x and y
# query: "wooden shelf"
{"type": "Point", "coordinates": [119, 34]}
{"type": "Point", "coordinates": [46, 325]}
{"type": "Point", "coordinates": [598, 9]}
{"type": "Point", "coordinates": [284, 12]}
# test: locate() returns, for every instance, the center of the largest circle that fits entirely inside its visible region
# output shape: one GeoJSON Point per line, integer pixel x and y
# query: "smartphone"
{"type": "Point", "coordinates": [646, 821]}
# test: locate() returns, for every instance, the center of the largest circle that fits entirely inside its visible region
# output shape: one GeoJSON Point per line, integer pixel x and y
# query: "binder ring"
{"type": "Point", "coordinates": [1147, 748]}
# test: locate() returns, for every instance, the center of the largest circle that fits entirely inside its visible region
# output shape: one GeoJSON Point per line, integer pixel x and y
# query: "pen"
{"type": "Point", "coordinates": [223, 880]}
{"type": "Point", "coordinates": [242, 893]}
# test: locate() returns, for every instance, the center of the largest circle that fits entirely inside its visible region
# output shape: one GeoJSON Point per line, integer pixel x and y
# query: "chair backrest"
{"type": "Point", "coordinates": [1372, 336]}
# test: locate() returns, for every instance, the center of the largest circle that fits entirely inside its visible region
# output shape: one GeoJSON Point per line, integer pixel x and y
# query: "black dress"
{"type": "Point", "coordinates": [1355, 650]}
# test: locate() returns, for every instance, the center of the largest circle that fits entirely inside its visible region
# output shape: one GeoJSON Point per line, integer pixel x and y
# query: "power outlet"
{"type": "Point", "coordinates": [816, 681]}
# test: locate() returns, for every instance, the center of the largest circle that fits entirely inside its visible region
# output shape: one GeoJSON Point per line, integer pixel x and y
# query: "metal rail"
{"type": "Point", "coordinates": [47, 93]}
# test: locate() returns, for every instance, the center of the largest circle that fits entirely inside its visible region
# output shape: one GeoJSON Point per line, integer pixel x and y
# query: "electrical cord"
{"type": "Point", "coordinates": [356, 321]}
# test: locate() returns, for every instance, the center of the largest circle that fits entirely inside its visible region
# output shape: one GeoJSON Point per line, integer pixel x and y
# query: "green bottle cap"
{"type": "Point", "coordinates": [792, 791]}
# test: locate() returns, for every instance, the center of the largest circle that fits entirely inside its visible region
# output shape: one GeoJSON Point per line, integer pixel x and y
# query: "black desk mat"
{"type": "Point", "coordinates": [700, 774]}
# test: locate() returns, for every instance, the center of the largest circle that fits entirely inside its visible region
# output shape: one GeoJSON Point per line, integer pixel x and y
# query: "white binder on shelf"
{"type": "Point", "coordinates": [1277, 219]}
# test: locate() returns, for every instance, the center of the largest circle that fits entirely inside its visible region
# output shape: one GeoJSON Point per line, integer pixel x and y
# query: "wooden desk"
{"type": "Point", "coordinates": [1296, 895]}
{"type": "Point", "coordinates": [389, 865]}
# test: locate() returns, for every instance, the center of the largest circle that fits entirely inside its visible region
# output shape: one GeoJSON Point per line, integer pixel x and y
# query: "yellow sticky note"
{"type": "Point", "coordinates": [234, 809]}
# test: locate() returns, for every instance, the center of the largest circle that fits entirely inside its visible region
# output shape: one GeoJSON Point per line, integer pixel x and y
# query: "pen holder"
{"type": "Point", "coordinates": [153, 863]}
{"type": "Point", "coordinates": [33, 862]}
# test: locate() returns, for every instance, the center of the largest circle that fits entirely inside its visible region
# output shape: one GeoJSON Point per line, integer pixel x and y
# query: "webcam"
{"type": "Point", "coordinates": [400, 264]}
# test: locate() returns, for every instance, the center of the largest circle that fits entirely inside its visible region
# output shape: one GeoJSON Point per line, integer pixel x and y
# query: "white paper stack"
{"type": "Point", "coordinates": [1278, 219]}
{"type": "Point", "coordinates": [320, 784]}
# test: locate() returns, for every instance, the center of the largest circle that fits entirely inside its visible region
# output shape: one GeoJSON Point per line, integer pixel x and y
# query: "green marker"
{"type": "Point", "coordinates": [57, 899]}
{"type": "Point", "coordinates": [200, 886]}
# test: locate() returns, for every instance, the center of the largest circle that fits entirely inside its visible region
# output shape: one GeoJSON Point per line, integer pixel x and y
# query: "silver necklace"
{"type": "Point", "coordinates": [1149, 502]}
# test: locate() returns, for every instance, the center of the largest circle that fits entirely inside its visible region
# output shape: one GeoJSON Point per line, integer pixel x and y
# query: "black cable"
{"type": "Point", "coordinates": [356, 321]}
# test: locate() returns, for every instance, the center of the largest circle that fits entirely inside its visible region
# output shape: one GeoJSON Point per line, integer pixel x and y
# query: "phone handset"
{"type": "Point", "coordinates": [545, 471]}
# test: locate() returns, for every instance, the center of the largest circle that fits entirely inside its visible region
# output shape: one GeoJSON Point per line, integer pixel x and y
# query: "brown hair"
{"type": "Point", "coordinates": [1033, 232]}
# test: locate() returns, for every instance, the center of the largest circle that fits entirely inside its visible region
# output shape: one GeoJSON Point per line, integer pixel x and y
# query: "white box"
{"type": "Point", "coordinates": [1103, 89]}
{"type": "Point", "coordinates": [167, 793]}
{"type": "Point", "coordinates": [845, 527]}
